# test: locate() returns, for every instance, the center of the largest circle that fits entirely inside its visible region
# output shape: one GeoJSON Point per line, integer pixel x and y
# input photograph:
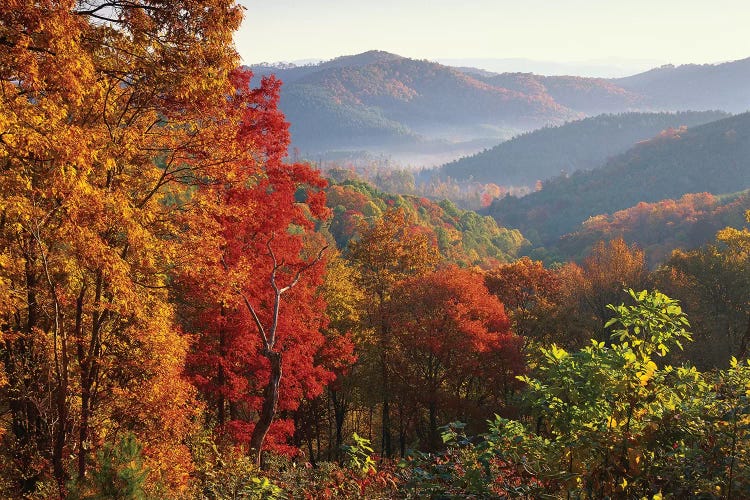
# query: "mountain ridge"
{"type": "Point", "coordinates": [577, 145]}
{"type": "Point", "coordinates": [377, 99]}
{"type": "Point", "coordinates": [712, 158]}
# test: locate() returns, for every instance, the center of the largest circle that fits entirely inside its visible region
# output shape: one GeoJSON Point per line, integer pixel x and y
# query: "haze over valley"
{"type": "Point", "coordinates": [473, 135]}
{"type": "Point", "coordinates": [408, 109]}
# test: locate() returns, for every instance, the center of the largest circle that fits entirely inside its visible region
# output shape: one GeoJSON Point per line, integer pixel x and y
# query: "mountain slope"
{"type": "Point", "coordinates": [667, 88]}
{"type": "Point", "coordinates": [708, 86]}
{"type": "Point", "coordinates": [378, 101]}
{"type": "Point", "coordinates": [421, 93]}
{"type": "Point", "coordinates": [291, 73]}
{"type": "Point", "coordinates": [586, 95]}
{"type": "Point", "coordinates": [462, 236]}
{"type": "Point", "coordinates": [377, 97]}
{"type": "Point", "coordinates": [578, 145]}
{"type": "Point", "coordinates": [661, 227]}
{"type": "Point", "coordinates": [713, 158]}
{"type": "Point", "coordinates": [319, 121]}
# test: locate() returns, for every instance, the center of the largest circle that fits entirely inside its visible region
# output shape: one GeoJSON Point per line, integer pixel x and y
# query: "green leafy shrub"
{"type": "Point", "coordinates": [607, 422]}
{"type": "Point", "coordinates": [229, 473]}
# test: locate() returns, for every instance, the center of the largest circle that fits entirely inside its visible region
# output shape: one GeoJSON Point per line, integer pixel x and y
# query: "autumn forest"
{"type": "Point", "coordinates": [192, 309]}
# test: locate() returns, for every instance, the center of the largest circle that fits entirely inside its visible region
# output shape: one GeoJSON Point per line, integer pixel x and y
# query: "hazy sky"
{"type": "Point", "coordinates": [676, 31]}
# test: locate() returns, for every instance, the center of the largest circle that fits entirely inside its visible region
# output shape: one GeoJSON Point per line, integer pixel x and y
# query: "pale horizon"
{"type": "Point", "coordinates": [632, 35]}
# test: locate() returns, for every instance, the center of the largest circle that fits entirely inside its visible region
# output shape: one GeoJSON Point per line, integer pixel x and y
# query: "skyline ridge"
{"type": "Point", "coordinates": [460, 63]}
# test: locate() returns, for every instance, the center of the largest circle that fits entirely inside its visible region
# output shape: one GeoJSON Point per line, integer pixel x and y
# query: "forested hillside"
{"type": "Point", "coordinates": [693, 86]}
{"type": "Point", "coordinates": [380, 101]}
{"type": "Point", "coordinates": [461, 236]}
{"type": "Point", "coordinates": [658, 228]}
{"type": "Point", "coordinates": [588, 95]}
{"type": "Point", "coordinates": [712, 158]}
{"type": "Point", "coordinates": [377, 97]}
{"type": "Point", "coordinates": [322, 121]}
{"type": "Point", "coordinates": [579, 145]}
{"type": "Point", "coordinates": [669, 88]}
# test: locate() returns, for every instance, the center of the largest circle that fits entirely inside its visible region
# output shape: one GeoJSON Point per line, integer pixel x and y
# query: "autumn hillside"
{"type": "Point", "coordinates": [712, 158]}
{"type": "Point", "coordinates": [461, 236]}
{"type": "Point", "coordinates": [579, 145]}
{"type": "Point", "coordinates": [666, 88]}
{"type": "Point", "coordinates": [363, 100]}
{"type": "Point", "coordinates": [658, 228]}
{"type": "Point", "coordinates": [590, 96]}
{"type": "Point", "coordinates": [693, 86]}
{"type": "Point", "coordinates": [383, 102]}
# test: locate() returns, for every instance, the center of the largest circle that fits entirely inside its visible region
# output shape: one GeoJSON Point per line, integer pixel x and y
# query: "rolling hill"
{"type": "Point", "coordinates": [380, 98]}
{"type": "Point", "coordinates": [658, 228]}
{"type": "Point", "coordinates": [586, 95]}
{"type": "Point", "coordinates": [699, 87]}
{"type": "Point", "coordinates": [462, 236]}
{"type": "Point", "coordinates": [385, 103]}
{"type": "Point", "coordinates": [712, 158]}
{"type": "Point", "coordinates": [723, 86]}
{"type": "Point", "coordinates": [579, 145]}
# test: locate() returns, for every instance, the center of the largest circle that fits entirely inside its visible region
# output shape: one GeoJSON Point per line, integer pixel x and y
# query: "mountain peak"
{"type": "Point", "coordinates": [363, 59]}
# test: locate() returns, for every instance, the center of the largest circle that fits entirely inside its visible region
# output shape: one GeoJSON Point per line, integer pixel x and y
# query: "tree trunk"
{"type": "Point", "coordinates": [386, 420]}
{"type": "Point", "coordinates": [268, 410]}
{"type": "Point", "coordinates": [401, 433]}
{"type": "Point", "coordinates": [387, 438]}
{"type": "Point", "coordinates": [83, 433]}
{"type": "Point", "coordinates": [60, 435]}
{"type": "Point", "coordinates": [61, 374]}
{"type": "Point", "coordinates": [433, 437]}
{"type": "Point", "coordinates": [744, 341]}
{"type": "Point", "coordinates": [87, 357]}
{"type": "Point", "coordinates": [339, 413]}
{"type": "Point", "coordinates": [62, 401]}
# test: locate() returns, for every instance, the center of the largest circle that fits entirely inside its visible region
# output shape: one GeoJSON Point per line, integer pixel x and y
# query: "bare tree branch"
{"type": "Point", "coordinates": [256, 319]}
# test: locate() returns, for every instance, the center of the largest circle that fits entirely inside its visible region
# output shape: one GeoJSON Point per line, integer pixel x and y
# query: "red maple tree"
{"type": "Point", "coordinates": [452, 340]}
{"type": "Point", "coordinates": [254, 267]}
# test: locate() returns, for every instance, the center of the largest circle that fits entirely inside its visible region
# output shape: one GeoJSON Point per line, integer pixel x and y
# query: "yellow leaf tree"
{"type": "Point", "coordinates": [387, 252]}
{"type": "Point", "coordinates": [108, 109]}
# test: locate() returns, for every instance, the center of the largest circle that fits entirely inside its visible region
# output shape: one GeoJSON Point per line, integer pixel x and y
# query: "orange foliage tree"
{"type": "Point", "coordinates": [530, 294]}
{"type": "Point", "coordinates": [387, 252]}
{"type": "Point", "coordinates": [609, 269]}
{"type": "Point", "coordinates": [107, 109]}
{"type": "Point", "coordinates": [452, 341]}
{"type": "Point", "coordinates": [601, 279]}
